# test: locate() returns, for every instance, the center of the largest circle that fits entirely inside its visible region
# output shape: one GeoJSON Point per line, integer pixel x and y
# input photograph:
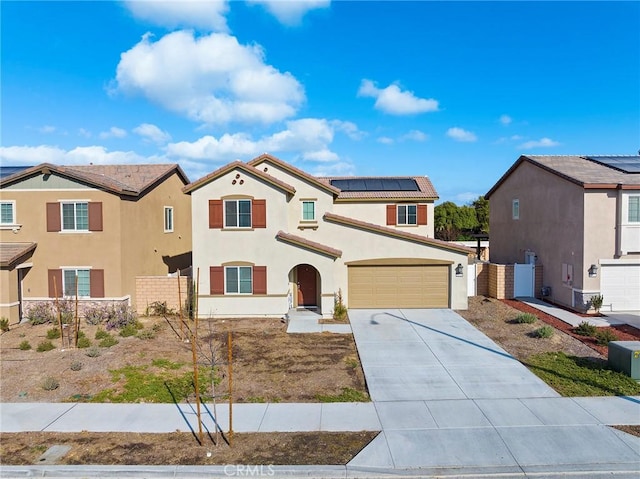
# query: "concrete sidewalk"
{"type": "Point", "coordinates": [574, 320]}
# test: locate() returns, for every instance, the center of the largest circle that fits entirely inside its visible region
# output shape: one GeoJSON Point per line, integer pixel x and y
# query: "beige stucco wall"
{"type": "Point", "coordinates": [551, 224]}
{"type": "Point", "coordinates": [214, 247]}
{"type": "Point", "coordinates": [9, 294]}
{"type": "Point", "coordinates": [143, 240]}
{"type": "Point", "coordinates": [600, 217]}
{"type": "Point", "coordinates": [376, 213]}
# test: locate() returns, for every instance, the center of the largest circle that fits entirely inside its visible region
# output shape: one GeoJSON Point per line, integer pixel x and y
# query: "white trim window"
{"type": "Point", "coordinates": [308, 210]}
{"type": "Point", "coordinates": [238, 280]}
{"type": "Point", "coordinates": [515, 209]}
{"type": "Point", "coordinates": [168, 219]}
{"type": "Point", "coordinates": [237, 213]}
{"type": "Point", "coordinates": [69, 282]}
{"type": "Point", "coordinates": [75, 216]}
{"type": "Point", "coordinates": [7, 212]}
{"type": "Point", "coordinates": [633, 215]}
{"type": "Point", "coordinates": [407, 214]}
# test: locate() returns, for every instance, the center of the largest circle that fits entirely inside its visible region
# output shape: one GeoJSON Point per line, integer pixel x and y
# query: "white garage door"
{"type": "Point", "coordinates": [620, 285]}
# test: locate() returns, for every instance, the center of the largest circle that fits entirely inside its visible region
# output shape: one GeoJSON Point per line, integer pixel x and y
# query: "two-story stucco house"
{"type": "Point", "coordinates": [579, 217]}
{"type": "Point", "coordinates": [268, 237]}
{"type": "Point", "coordinates": [104, 224]}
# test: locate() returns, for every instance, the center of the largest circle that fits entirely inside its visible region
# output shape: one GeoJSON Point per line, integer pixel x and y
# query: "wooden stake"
{"type": "Point", "coordinates": [180, 308]}
{"type": "Point", "coordinates": [55, 293]}
{"type": "Point", "coordinates": [76, 325]}
{"type": "Point", "coordinates": [195, 383]}
{"type": "Point", "coordinates": [197, 292]}
{"type": "Point", "coordinates": [230, 366]}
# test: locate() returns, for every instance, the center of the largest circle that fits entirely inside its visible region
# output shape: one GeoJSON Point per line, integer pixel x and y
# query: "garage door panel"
{"type": "Point", "coordinates": [620, 286]}
{"type": "Point", "coordinates": [399, 286]}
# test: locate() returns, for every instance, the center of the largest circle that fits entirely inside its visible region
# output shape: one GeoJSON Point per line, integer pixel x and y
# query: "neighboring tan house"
{"type": "Point", "coordinates": [105, 224]}
{"type": "Point", "coordinates": [268, 237]}
{"type": "Point", "coordinates": [577, 216]}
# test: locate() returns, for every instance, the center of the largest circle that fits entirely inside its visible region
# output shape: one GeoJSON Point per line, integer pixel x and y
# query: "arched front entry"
{"type": "Point", "coordinates": [306, 282]}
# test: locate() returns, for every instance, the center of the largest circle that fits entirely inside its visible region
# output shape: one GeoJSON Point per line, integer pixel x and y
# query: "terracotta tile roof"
{"type": "Point", "coordinates": [246, 168]}
{"type": "Point", "coordinates": [295, 171]}
{"type": "Point", "coordinates": [299, 241]}
{"type": "Point", "coordinates": [426, 189]}
{"type": "Point", "coordinates": [10, 253]}
{"type": "Point", "coordinates": [576, 169]}
{"type": "Point", "coordinates": [132, 180]}
{"type": "Point", "coordinates": [396, 233]}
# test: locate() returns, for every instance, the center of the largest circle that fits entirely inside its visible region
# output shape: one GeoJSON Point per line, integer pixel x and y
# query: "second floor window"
{"type": "Point", "coordinates": [69, 282]}
{"type": "Point", "coordinates": [407, 215]}
{"type": "Point", "coordinates": [634, 209]}
{"type": "Point", "coordinates": [7, 213]}
{"type": "Point", "coordinates": [237, 213]}
{"type": "Point", "coordinates": [75, 216]}
{"type": "Point", "coordinates": [515, 209]}
{"type": "Point", "coordinates": [309, 210]}
{"type": "Point", "coordinates": [168, 219]}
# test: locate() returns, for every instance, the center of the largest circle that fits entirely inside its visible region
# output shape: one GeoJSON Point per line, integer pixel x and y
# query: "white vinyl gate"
{"type": "Point", "coordinates": [523, 280]}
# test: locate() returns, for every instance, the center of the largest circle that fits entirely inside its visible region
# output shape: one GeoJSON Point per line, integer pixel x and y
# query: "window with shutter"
{"type": "Point", "coordinates": [216, 217]}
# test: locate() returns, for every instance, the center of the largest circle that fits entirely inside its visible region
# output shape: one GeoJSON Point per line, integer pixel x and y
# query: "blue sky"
{"type": "Point", "coordinates": [452, 90]}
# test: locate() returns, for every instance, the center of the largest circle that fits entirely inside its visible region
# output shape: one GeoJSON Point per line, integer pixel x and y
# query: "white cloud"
{"type": "Point", "coordinates": [349, 128]}
{"type": "Point", "coordinates": [208, 15]}
{"type": "Point", "coordinates": [113, 132]}
{"type": "Point", "coordinates": [505, 119]}
{"type": "Point", "coordinates": [290, 12]}
{"type": "Point", "coordinates": [321, 156]}
{"type": "Point", "coordinates": [84, 133]}
{"type": "Point", "coordinates": [210, 79]}
{"type": "Point", "coordinates": [385, 140]}
{"type": "Point", "coordinates": [339, 168]}
{"type": "Point", "coordinates": [466, 197]}
{"type": "Point", "coordinates": [47, 129]}
{"type": "Point", "coordinates": [394, 101]}
{"type": "Point", "coordinates": [415, 135]}
{"type": "Point", "coordinates": [458, 134]}
{"type": "Point", "coordinates": [152, 133]}
{"type": "Point", "coordinates": [541, 143]}
{"type": "Point", "coordinates": [33, 155]}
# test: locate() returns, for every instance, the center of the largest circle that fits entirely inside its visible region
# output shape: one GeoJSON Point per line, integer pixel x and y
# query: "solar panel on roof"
{"type": "Point", "coordinates": [10, 170]}
{"type": "Point", "coordinates": [376, 184]}
{"type": "Point", "coordinates": [626, 164]}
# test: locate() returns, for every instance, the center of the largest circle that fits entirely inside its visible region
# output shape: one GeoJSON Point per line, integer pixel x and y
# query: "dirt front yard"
{"type": "Point", "coordinates": [269, 365]}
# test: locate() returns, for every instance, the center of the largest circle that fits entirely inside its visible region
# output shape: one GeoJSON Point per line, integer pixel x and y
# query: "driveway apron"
{"type": "Point", "coordinates": [451, 399]}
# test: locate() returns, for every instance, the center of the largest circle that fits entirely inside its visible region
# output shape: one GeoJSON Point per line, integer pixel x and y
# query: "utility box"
{"type": "Point", "coordinates": [624, 356]}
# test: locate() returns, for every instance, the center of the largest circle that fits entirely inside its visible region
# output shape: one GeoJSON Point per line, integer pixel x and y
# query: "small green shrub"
{"type": "Point", "coordinates": [101, 334]}
{"type": "Point", "coordinates": [585, 329]}
{"type": "Point", "coordinates": [527, 318]}
{"type": "Point", "coordinates": [83, 342]}
{"type": "Point", "coordinates": [543, 332]}
{"type": "Point", "coordinates": [49, 384]}
{"type": "Point", "coordinates": [605, 336]}
{"type": "Point", "coordinates": [131, 329]}
{"type": "Point", "coordinates": [596, 302]}
{"type": "Point", "coordinates": [76, 366]}
{"type": "Point", "coordinates": [93, 352]}
{"type": "Point", "coordinates": [40, 313]}
{"type": "Point", "coordinates": [108, 341]}
{"type": "Point", "coordinates": [45, 346]}
{"type": "Point", "coordinates": [53, 333]}
{"type": "Point", "coordinates": [4, 325]}
{"type": "Point", "coordinates": [25, 345]}
{"type": "Point", "coordinates": [146, 334]}
{"type": "Point", "coordinates": [339, 308]}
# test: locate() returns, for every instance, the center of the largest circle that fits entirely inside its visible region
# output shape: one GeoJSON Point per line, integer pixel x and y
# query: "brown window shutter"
{"type": "Point", "coordinates": [259, 280]}
{"type": "Point", "coordinates": [55, 283]}
{"type": "Point", "coordinates": [422, 214]}
{"type": "Point", "coordinates": [96, 283]}
{"type": "Point", "coordinates": [95, 218]}
{"type": "Point", "coordinates": [259, 213]}
{"type": "Point", "coordinates": [216, 280]}
{"type": "Point", "coordinates": [53, 217]}
{"type": "Point", "coordinates": [391, 214]}
{"type": "Point", "coordinates": [216, 219]}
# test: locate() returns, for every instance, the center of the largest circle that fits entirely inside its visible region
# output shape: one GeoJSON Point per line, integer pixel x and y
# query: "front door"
{"type": "Point", "coordinates": [306, 286]}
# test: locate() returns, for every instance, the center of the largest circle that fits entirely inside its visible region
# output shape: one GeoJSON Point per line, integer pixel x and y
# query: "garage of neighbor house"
{"type": "Point", "coordinates": [398, 285]}
{"type": "Point", "coordinates": [620, 286]}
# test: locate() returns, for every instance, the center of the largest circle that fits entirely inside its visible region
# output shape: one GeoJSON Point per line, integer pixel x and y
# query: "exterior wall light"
{"type": "Point", "coordinates": [459, 269]}
{"type": "Point", "coordinates": [593, 271]}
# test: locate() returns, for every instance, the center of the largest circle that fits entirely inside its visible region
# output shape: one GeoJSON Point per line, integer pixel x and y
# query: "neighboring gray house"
{"type": "Point", "coordinates": [578, 217]}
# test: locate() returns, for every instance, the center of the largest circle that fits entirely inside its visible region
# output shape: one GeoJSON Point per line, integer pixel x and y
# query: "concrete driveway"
{"type": "Point", "coordinates": [450, 400]}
